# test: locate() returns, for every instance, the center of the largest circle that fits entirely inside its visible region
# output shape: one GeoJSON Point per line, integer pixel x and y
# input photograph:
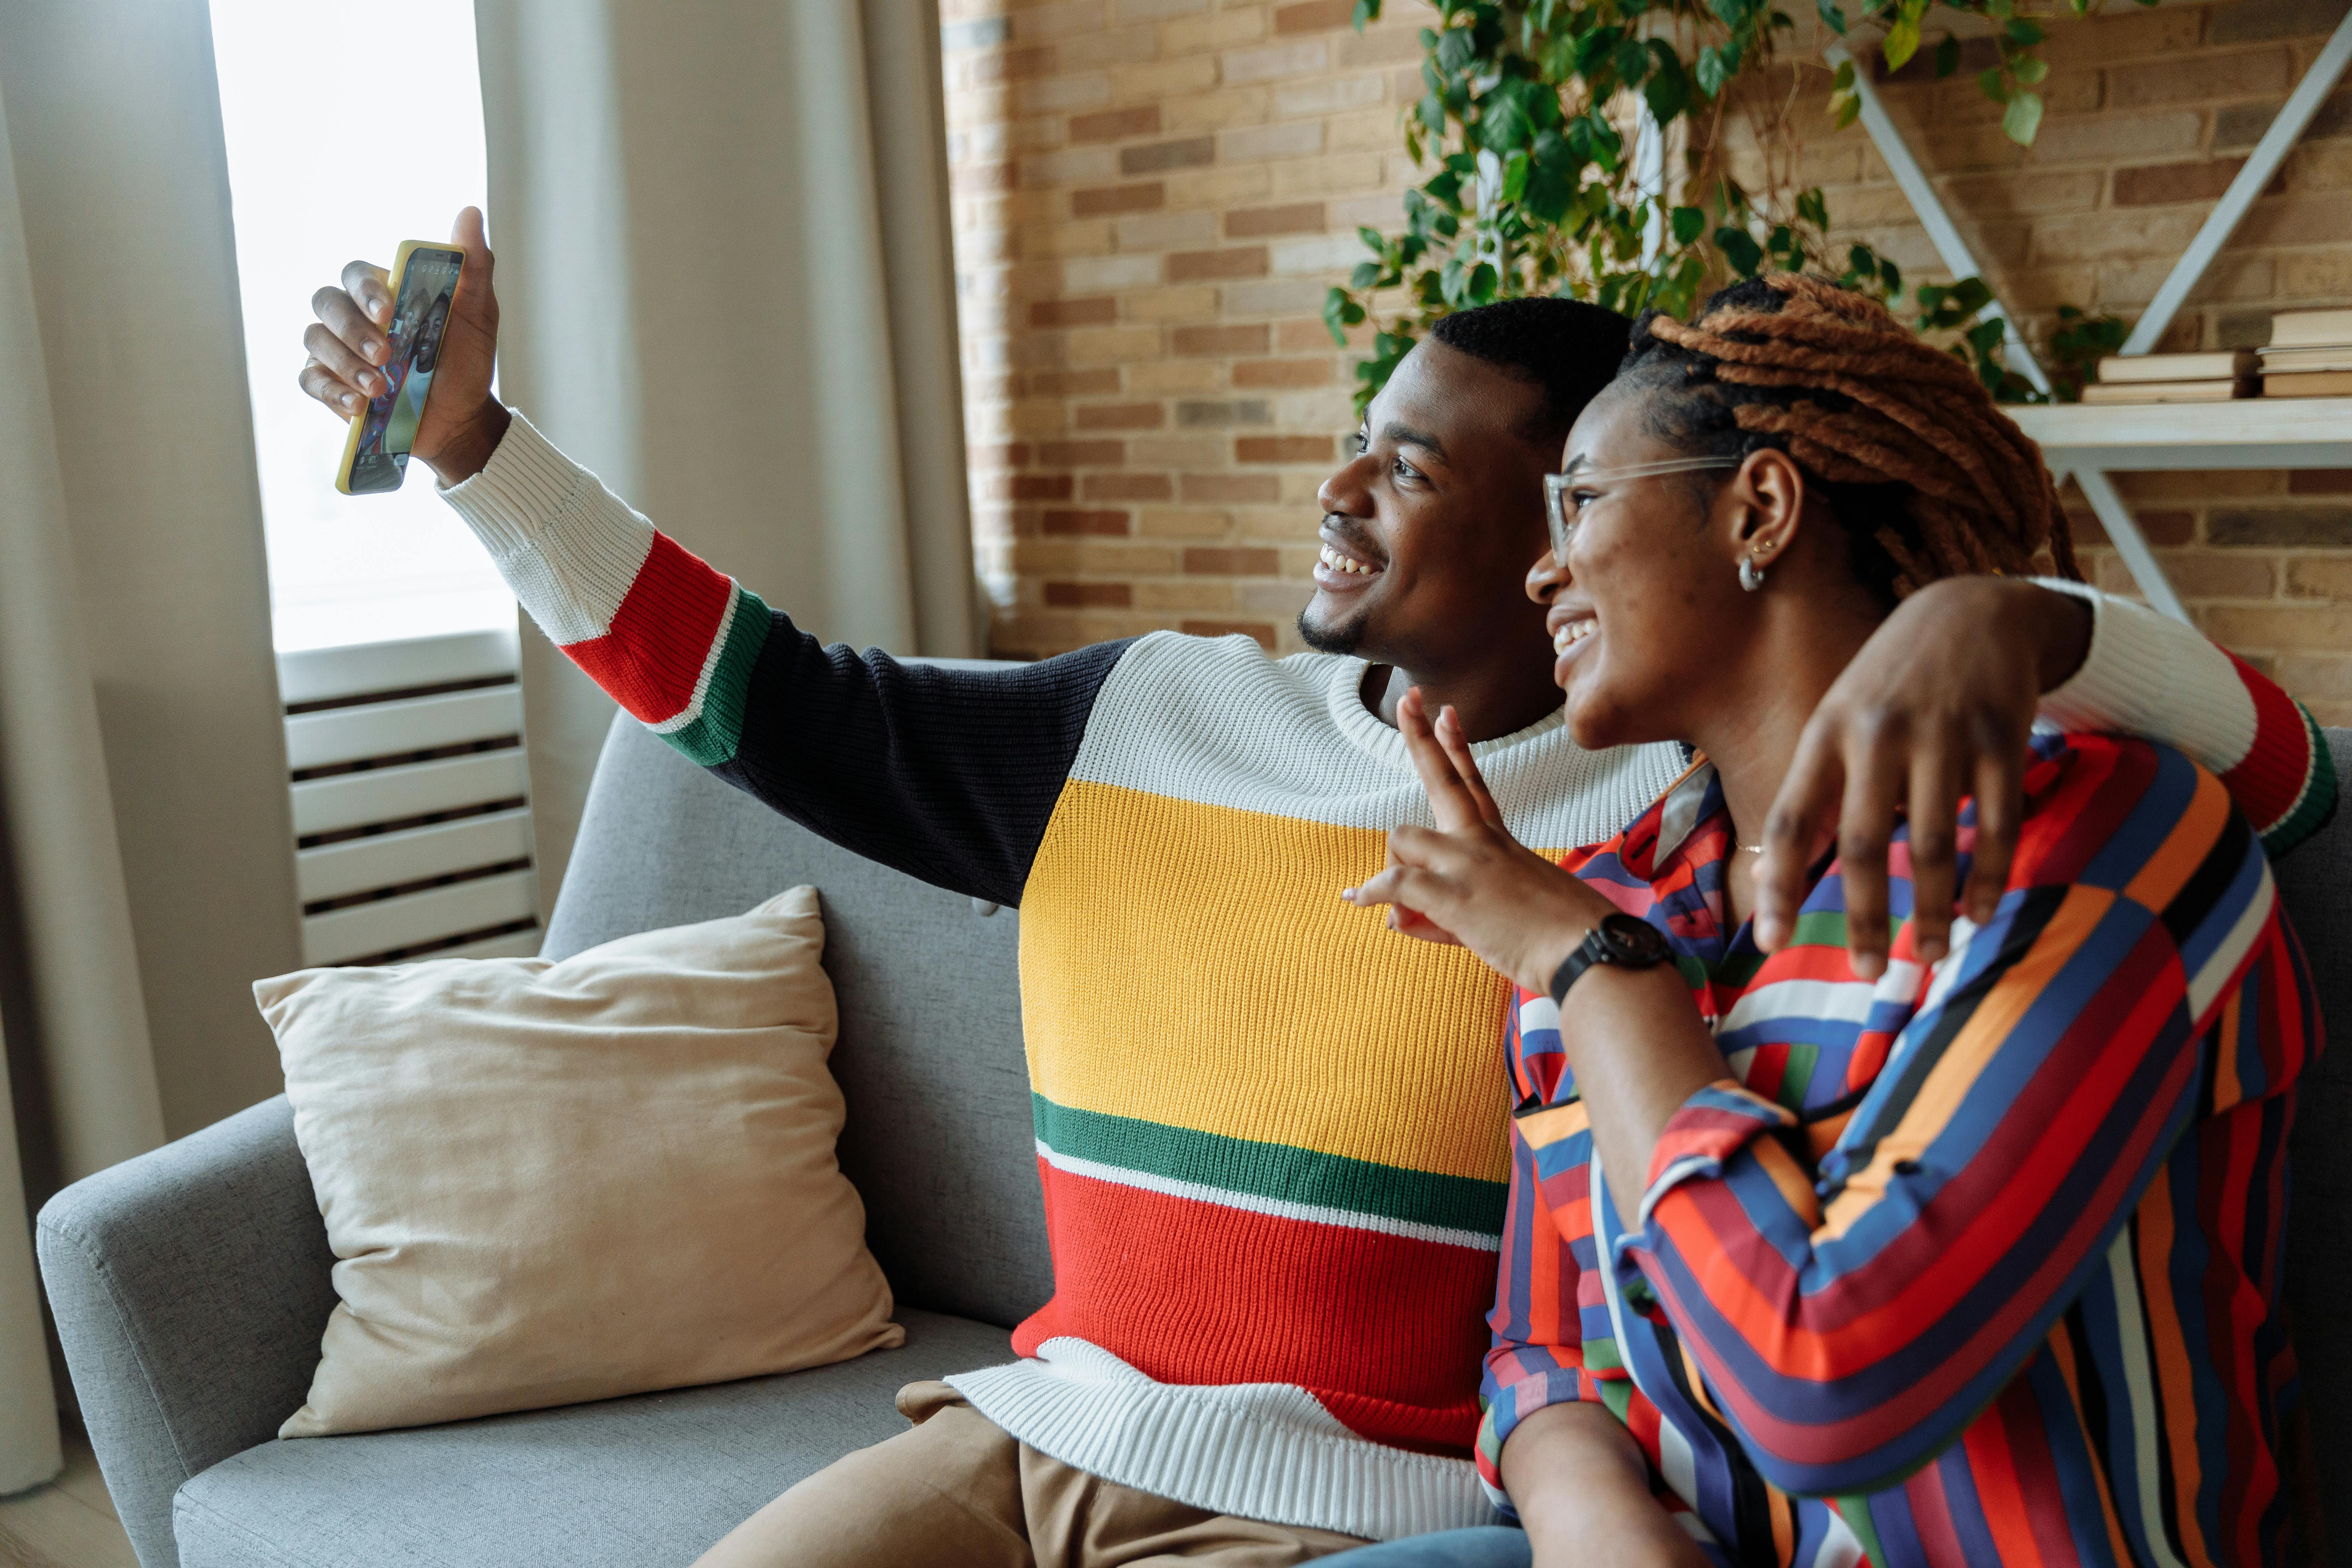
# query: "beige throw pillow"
{"type": "Point", "coordinates": [549, 1182]}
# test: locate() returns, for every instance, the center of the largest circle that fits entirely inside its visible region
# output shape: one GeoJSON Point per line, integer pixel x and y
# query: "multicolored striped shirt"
{"type": "Point", "coordinates": [1271, 1135]}
{"type": "Point", "coordinates": [1976, 1264]}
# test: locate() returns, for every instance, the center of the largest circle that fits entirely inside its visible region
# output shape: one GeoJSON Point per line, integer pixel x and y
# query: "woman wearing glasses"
{"type": "Point", "coordinates": [1972, 1259]}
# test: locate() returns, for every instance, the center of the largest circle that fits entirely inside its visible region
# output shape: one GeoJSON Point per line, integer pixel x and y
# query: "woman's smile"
{"type": "Point", "coordinates": [1572, 629]}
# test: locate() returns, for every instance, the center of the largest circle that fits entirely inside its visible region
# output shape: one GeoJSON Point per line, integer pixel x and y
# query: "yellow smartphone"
{"type": "Point", "coordinates": [424, 288]}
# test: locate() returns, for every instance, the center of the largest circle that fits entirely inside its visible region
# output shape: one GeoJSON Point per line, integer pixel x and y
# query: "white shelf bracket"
{"type": "Point", "coordinates": [2231, 210]}
{"type": "Point", "coordinates": [2124, 533]}
{"type": "Point", "coordinates": [1960, 262]}
{"type": "Point", "coordinates": [1942, 233]}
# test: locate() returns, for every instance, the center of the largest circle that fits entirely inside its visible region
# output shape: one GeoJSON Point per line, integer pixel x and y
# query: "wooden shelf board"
{"type": "Point", "coordinates": [2249, 432]}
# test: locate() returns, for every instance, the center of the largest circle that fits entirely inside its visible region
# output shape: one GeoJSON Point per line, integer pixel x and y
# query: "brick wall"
{"type": "Point", "coordinates": [2149, 113]}
{"type": "Point", "coordinates": [1151, 196]}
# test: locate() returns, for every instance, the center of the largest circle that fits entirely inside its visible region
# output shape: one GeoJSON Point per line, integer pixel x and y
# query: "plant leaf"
{"type": "Point", "coordinates": [1833, 17]}
{"type": "Point", "coordinates": [1335, 303]}
{"type": "Point", "coordinates": [1843, 81]}
{"type": "Point", "coordinates": [2025, 32]}
{"type": "Point", "coordinates": [1901, 43]}
{"type": "Point", "coordinates": [1848, 111]}
{"type": "Point", "coordinates": [1993, 85]}
{"type": "Point", "coordinates": [1689, 223]}
{"type": "Point", "coordinates": [1712, 72]}
{"type": "Point", "coordinates": [2022, 118]}
{"type": "Point", "coordinates": [1948, 57]}
{"type": "Point", "coordinates": [2030, 69]}
{"type": "Point", "coordinates": [1366, 11]}
{"type": "Point", "coordinates": [1740, 249]}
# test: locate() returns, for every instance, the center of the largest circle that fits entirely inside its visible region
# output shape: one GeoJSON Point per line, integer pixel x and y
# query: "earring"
{"type": "Point", "coordinates": [1751, 575]}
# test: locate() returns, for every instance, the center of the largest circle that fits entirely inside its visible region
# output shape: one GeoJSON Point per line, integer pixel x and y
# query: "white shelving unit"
{"type": "Point", "coordinates": [2092, 442]}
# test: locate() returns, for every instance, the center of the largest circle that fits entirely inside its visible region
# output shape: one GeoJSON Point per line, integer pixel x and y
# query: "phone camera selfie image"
{"type": "Point", "coordinates": [424, 288]}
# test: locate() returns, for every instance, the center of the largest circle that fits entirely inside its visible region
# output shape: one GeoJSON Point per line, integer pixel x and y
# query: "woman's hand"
{"type": "Point", "coordinates": [1470, 882]}
{"type": "Point", "coordinates": [462, 423]}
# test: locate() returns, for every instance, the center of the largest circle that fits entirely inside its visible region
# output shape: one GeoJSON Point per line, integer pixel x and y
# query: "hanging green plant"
{"type": "Point", "coordinates": [1577, 149]}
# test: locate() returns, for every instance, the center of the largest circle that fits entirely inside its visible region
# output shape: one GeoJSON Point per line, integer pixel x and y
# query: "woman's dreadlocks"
{"type": "Point", "coordinates": [1917, 463]}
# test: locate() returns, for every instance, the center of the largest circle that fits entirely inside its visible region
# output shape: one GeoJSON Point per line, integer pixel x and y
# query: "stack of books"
{"type": "Point", "coordinates": [2310, 354]}
{"type": "Point", "coordinates": [2176, 378]}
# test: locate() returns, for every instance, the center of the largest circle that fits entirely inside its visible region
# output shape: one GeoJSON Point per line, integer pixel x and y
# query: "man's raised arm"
{"type": "Point", "coordinates": [948, 774]}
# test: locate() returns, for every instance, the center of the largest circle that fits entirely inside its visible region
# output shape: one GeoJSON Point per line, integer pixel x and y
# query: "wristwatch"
{"type": "Point", "coordinates": [1623, 940]}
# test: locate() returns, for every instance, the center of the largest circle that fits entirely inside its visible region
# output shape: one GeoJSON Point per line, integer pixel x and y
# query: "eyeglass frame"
{"type": "Point", "coordinates": [1556, 488]}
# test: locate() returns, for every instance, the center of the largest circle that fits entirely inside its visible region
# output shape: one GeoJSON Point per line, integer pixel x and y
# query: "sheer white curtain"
{"type": "Point", "coordinates": [727, 285]}
{"type": "Point", "coordinates": [59, 867]}
{"type": "Point", "coordinates": [146, 860]}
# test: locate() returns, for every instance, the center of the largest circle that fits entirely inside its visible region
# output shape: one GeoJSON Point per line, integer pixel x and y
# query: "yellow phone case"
{"type": "Point", "coordinates": [358, 421]}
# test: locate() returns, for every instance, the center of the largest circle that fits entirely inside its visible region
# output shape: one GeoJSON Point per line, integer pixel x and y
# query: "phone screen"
{"type": "Point", "coordinates": [420, 314]}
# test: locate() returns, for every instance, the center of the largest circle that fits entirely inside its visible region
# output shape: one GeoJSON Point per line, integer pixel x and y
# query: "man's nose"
{"type": "Point", "coordinates": [1345, 493]}
{"type": "Point", "coordinates": [1545, 578]}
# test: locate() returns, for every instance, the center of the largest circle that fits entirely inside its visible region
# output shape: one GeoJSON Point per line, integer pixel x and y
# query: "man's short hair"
{"type": "Point", "coordinates": [1566, 347]}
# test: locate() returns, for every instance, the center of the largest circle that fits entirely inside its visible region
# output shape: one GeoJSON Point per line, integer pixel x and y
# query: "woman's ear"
{"type": "Point", "coordinates": [1770, 491]}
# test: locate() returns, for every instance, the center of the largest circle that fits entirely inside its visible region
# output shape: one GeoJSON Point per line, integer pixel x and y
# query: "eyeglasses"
{"type": "Point", "coordinates": [1561, 505]}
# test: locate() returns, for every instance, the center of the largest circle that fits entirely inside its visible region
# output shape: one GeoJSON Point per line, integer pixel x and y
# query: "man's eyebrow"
{"type": "Point", "coordinates": [1579, 464]}
{"type": "Point", "coordinates": [1406, 436]}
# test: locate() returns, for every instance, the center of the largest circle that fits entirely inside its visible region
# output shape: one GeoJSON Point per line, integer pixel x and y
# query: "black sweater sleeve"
{"type": "Point", "coordinates": [946, 774]}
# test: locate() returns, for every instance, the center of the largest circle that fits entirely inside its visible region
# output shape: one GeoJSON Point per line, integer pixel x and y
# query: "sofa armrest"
{"type": "Point", "coordinates": [191, 1287]}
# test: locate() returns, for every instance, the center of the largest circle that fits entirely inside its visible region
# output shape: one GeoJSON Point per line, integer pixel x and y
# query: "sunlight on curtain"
{"type": "Point", "coordinates": [329, 159]}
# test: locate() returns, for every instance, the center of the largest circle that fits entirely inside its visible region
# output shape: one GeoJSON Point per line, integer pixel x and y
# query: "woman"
{"type": "Point", "coordinates": [1977, 1261]}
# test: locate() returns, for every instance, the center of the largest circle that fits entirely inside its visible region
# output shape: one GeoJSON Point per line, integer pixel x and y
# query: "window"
{"type": "Point", "coordinates": [313, 185]}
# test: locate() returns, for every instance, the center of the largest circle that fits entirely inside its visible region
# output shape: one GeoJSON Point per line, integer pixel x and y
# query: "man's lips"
{"type": "Point", "coordinates": [1341, 568]}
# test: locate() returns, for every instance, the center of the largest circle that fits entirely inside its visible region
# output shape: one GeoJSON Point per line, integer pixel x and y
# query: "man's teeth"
{"type": "Point", "coordinates": [1338, 562]}
{"type": "Point", "coordinates": [1574, 631]}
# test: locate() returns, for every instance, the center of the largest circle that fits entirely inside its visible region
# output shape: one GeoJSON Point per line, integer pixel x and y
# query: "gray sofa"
{"type": "Point", "coordinates": [191, 1285]}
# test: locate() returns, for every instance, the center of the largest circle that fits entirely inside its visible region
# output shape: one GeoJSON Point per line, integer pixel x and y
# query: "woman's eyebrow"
{"type": "Point", "coordinates": [1406, 436]}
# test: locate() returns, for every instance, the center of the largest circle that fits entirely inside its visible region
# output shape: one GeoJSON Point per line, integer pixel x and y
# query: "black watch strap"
{"type": "Point", "coordinates": [1622, 941]}
{"type": "Point", "coordinates": [1588, 952]}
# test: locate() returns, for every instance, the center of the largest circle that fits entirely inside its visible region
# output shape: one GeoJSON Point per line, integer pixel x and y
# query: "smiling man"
{"type": "Point", "coordinates": [1271, 1138]}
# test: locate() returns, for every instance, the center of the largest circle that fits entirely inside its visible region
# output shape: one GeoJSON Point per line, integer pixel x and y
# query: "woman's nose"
{"type": "Point", "coordinates": [1545, 578]}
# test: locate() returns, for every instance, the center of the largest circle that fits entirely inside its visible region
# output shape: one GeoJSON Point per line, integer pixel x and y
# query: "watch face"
{"type": "Point", "coordinates": [1635, 943]}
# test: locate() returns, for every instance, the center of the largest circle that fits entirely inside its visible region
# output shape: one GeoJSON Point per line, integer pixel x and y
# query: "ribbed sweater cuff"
{"type": "Point", "coordinates": [2148, 674]}
{"type": "Point", "coordinates": [526, 484]}
{"type": "Point", "coordinates": [566, 545]}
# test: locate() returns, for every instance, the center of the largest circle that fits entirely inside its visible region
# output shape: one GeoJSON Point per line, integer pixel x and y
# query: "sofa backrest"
{"type": "Point", "coordinates": [2316, 884]}
{"type": "Point", "coordinates": [939, 1140]}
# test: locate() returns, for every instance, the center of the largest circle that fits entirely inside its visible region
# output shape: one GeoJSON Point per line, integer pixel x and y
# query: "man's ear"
{"type": "Point", "coordinates": [1769, 492]}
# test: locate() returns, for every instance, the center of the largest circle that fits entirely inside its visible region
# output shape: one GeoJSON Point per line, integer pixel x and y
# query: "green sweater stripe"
{"type": "Point", "coordinates": [1273, 1170]}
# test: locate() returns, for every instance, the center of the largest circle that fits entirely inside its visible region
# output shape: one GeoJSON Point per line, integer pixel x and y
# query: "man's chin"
{"type": "Point", "coordinates": [1343, 634]}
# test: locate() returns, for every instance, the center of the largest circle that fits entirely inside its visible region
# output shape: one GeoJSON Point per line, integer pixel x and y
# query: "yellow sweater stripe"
{"type": "Point", "coordinates": [1262, 1008]}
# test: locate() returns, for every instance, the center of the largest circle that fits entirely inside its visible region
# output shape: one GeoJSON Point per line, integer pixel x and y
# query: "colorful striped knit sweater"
{"type": "Point", "coordinates": [1272, 1137]}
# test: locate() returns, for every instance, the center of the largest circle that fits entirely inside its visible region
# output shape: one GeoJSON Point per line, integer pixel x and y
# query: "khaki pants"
{"type": "Point", "coordinates": [958, 1491]}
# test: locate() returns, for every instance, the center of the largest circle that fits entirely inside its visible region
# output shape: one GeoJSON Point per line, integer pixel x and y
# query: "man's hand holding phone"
{"type": "Point", "coordinates": [462, 423]}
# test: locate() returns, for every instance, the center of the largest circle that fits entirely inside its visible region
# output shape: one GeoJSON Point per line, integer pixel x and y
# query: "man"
{"type": "Point", "coordinates": [1271, 1138]}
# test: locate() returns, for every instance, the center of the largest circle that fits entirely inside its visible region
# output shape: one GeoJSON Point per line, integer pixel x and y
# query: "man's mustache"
{"type": "Point", "coordinates": [1351, 533]}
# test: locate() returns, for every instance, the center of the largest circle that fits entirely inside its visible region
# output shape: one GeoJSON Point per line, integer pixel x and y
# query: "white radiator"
{"type": "Point", "coordinates": [412, 814]}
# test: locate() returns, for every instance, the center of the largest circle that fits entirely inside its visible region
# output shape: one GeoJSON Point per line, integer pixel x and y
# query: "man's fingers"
{"type": "Point", "coordinates": [468, 232]}
{"type": "Point", "coordinates": [341, 314]}
{"type": "Point", "coordinates": [2000, 782]}
{"type": "Point", "coordinates": [329, 389]}
{"type": "Point", "coordinates": [1456, 742]}
{"type": "Point", "coordinates": [1934, 812]}
{"type": "Point", "coordinates": [1876, 773]}
{"type": "Point", "coordinates": [1793, 832]}
{"type": "Point", "coordinates": [370, 286]}
{"type": "Point", "coordinates": [347, 367]}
